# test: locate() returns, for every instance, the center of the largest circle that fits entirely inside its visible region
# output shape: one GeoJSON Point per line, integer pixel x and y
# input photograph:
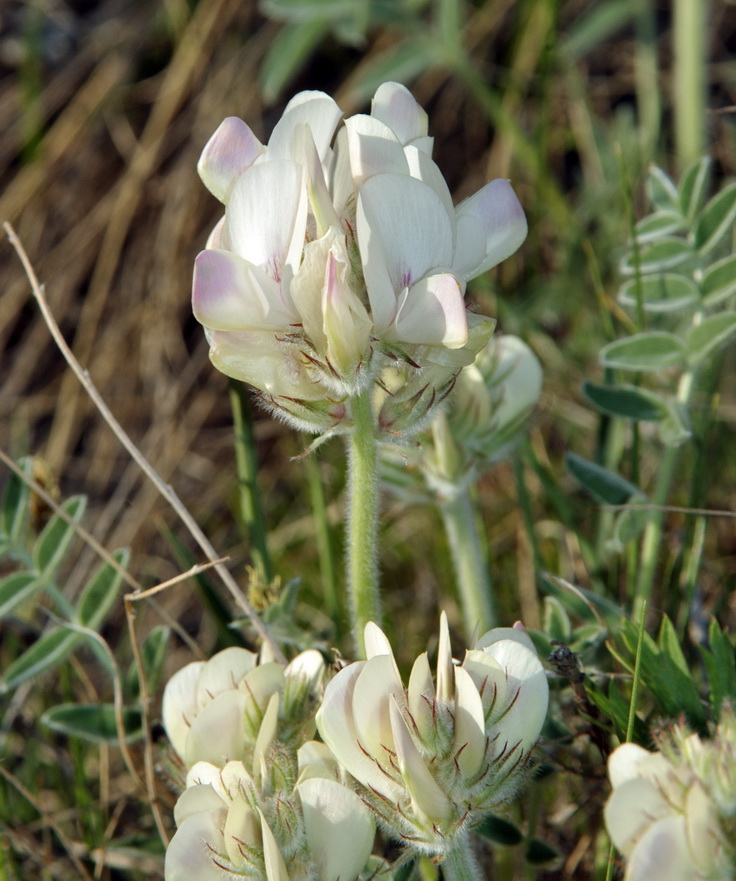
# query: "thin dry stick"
{"type": "Point", "coordinates": [143, 696]}
{"type": "Point", "coordinates": [50, 822]}
{"type": "Point", "coordinates": [165, 489]}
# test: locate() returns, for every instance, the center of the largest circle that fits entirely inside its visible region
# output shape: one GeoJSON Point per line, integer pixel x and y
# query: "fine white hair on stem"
{"type": "Point", "coordinates": [165, 489]}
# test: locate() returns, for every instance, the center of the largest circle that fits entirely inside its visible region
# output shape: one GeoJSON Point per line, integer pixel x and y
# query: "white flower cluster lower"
{"type": "Point", "coordinates": [265, 801]}
{"type": "Point", "coordinates": [672, 813]}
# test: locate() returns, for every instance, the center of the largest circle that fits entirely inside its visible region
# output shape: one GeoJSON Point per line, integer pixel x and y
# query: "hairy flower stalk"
{"type": "Point", "coordinates": [481, 425]}
{"type": "Point", "coordinates": [434, 757]}
{"type": "Point", "coordinates": [334, 284]}
{"type": "Point", "coordinates": [672, 813]}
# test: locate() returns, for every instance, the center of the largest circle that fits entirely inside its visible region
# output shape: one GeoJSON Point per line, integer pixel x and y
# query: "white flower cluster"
{"type": "Point", "coordinates": [264, 801]}
{"type": "Point", "coordinates": [433, 758]}
{"type": "Point", "coordinates": [672, 813]}
{"type": "Point", "coordinates": [341, 263]}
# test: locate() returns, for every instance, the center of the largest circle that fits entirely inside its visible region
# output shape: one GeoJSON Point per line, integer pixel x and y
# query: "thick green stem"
{"type": "Point", "coordinates": [471, 570]}
{"type": "Point", "coordinates": [362, 522]}
{"type": "Point", "coordinates": [460, 864]}
{"type": "Point", "coordinates": [689, 78]}
{"type": "Point", "coordinates": [653, 532]}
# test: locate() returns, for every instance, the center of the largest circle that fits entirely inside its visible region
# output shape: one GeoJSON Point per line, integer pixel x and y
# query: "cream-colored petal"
{"type": "Point", "coordinates": [428, 798]}
{"type": "Point", "coordinates": [275, 865]}
{"type": "Point", "coordinates": [195, 800]}
{"type": "Point", "coordinates": [217, 734]}
{"type": "Point", "coordinates": [195, 848]}
{"type": "Point", "coordinates": [224, 671]}
{"type": "Point", "coordinates": [470, 734]}
{"type": "Point", "coordinates": [339, 828]}
{"type": "Point", "coordinates": [630, 811]}
{"type": "Point", "coordinates": [179, 705]}
{"type": "Point", "coordinates": [421, 697]}
{"type": "Point", "coordinates": [445, 669]}
{"type": "Point", "coordinates": [266, 735]}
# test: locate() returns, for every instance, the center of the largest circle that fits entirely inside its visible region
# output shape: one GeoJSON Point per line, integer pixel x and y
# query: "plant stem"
{"type": "Point", "coordinates": [362, 520]}
{"type": "Point", "coordinates": [471, 570]}
{"type": "Point", "coordinates": [689, 78]}
{"type": "Point", "coordinates": [460, 864]}
{"type": "Point", "coordinates": [654, 528]}
{"type": "Point", "coordinates": [249, 496]}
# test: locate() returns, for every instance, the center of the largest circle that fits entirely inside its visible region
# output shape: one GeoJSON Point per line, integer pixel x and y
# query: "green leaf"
{"type": "Point", "coordinates": [539, 852]}
{"type": "Point", "coordinates": [680, 678]}
{"type": "Point", "coordinates": [668, 292]}
{"type": "Point", "coordinates": [48, 651]}
{"type": "Point", "coordinates": [583, 603]}
{"type": "Point", "coordinates": [719, 281]}
{"type": "Point", "coordinates": [289, 51]}
{"type": "Point", "coordinates": [605, 486]}
{"type": "Point", "coordinates": [627, 527]}
{"type": "Point", "coordinates": [101, 591]}
{"type": "Point", "coordinates": [652, 350]}
{"type": "Point", "coordinates": [720, 662]}
{"type": "Point", "coordinates": [658, 256]}
{"type": "Point", "coordinates": [93, 722]}
{"type": "Point", "coordinates": [661, 191]}
{"type": "Point", "coordinates": [16, 589]}
{"type": "Point", "coordinates": [712, 333]}
{"type": "Point", "coordinates": [15, 503]}
{"type": "Point", "coordinates": [694, 186]}
{"type": "Point", "coordinates": [658, 225]}
{"type": "Point", "coordinates": [498, 830]}
{"type": "Point", "coordinates": [53, 542]}
{"type": "Point", "coordinates": [628, 401]}
{"type": "Point", "coordinates": [556, 621]}
{"type": "Point", "coordinates": [716, 219]}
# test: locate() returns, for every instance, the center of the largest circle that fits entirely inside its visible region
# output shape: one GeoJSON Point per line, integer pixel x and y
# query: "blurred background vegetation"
{"type": "Point", "coordinates": [105, 106]}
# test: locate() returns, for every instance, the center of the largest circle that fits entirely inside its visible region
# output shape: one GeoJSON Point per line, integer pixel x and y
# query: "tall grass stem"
{"type": "Point", "coordinates": [249, 496]}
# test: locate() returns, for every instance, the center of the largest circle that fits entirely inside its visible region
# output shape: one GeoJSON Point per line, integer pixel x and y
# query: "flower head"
{"type": "Point", "coordinates": [342, 256]}
{"type": "Point", "coordinates": [216, 711]}
{"type": "Point", "coordinates": [672, 813]}
{"type": "Point", "coordinates": [433, 757]}
{"type": "Point", "coordinates": [278, 828]}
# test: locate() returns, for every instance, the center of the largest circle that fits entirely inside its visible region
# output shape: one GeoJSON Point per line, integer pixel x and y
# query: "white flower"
{"type": "Point", "coordinates": [333, 264]}
{"type": "Point", "coordinates": [667, 813]}
{"type": "Point", "coordinates": [214, 711]}
{"type": "Point", "coordinates": [232, 825]}
{"type": "Point", "coordinates": [434, 757]}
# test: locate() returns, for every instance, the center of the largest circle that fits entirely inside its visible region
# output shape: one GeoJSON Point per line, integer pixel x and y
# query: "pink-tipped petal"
{"type": "Point", "coordinates": [490, 227]}
{"type": "Point", "coordinates": [228, 293]}
{"type": "Point", "coordinates": [229, 152]}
